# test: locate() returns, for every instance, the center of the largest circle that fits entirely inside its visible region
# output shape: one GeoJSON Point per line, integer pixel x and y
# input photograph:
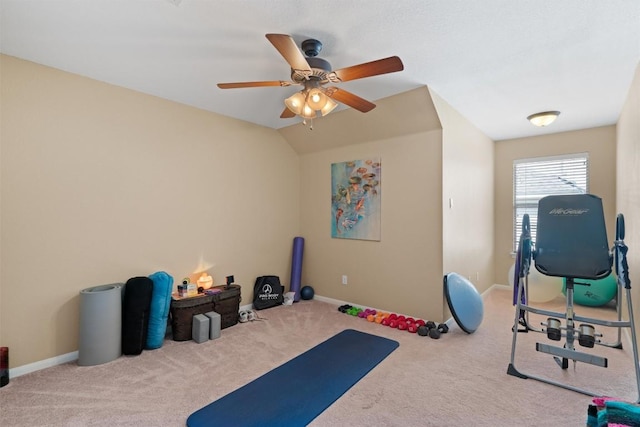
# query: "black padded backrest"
{"type": "Point", "coordinates": [571, 237]}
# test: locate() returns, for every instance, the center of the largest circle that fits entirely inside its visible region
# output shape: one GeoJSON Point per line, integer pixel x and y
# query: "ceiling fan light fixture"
{"type": "Point", "coordinates": [308, 112]}
{"type": "Point", "coordinates": [295, 103]}
{"type": "Point", "coordinates": [328, 106]}
{"type": "Point", "coordinates": [544, 118]}
{"type": "Point", "coordinates": [316, 99]}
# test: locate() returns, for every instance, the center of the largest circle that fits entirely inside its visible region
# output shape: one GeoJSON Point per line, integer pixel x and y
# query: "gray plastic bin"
{"type": "Point", "coordinates": [100, 339]}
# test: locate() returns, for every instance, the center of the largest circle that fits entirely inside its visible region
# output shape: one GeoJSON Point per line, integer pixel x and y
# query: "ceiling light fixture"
{"type": "Point", "coordinates": [543, 119]}
{"type": "Point", "coordinates": [310, 101]}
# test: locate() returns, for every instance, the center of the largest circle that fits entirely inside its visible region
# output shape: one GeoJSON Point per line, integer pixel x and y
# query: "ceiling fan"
{"type": "Point", "coordinates": [313, 73]}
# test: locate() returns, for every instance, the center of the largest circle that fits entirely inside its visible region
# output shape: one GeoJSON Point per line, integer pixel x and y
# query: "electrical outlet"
{"type": "Point", "coordinates": [344, 279]}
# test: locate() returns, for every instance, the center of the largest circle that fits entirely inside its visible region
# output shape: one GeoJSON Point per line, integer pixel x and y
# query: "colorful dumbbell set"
{"type": "Point", "coordinates": [396, 321]}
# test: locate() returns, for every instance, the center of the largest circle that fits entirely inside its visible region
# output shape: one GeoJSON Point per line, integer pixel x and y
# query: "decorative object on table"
{"type": "Point", "coordinates": [187, 289]}
{"type": "Point", "coordinates": [205, 281]}
{"type": "Point", "coordinates": [230, 280]}
{"type": "Point", "coordinates": [355, 199]}
{"type": "Point", "coordinates": [100, 335]}
{"type": "Point", "coordinates": [159, 309]}
{"type": "Point", "coordinates": [267, 292]}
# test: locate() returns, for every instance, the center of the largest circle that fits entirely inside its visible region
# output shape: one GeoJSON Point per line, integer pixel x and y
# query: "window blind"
{"type": "Point", "coordinates": [536, 178]}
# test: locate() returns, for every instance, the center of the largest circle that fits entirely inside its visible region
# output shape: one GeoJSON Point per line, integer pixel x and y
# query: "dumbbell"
{"type": "Point", "coordinates": [366, 312]}
{"type": "Point", "coordinates": [344, 308]}
{"type": "Point", "coordinates": [436, 332]}
{"type": "Point", "coordinates": [380, 316]}
{"type": "Point", "coordinates": [425, 327]}
{"type": "Point", "coordinates": [353, 311]}
{"type": "Point", "coordinates": [413, 327]}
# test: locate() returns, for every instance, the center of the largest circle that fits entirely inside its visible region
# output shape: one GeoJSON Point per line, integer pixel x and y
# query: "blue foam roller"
{"type": "Point", "coordinates": [296, 267]}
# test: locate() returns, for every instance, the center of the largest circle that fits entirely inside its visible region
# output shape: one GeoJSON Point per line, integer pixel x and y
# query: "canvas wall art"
{"type": "Point", "coordinates": [355, 199]}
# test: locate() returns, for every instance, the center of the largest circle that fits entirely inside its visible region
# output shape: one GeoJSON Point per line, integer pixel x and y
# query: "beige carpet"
{"type": "Point", "coordinates": [459, 380]}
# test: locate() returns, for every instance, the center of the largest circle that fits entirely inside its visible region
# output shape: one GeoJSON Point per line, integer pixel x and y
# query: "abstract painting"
{"type": "Point", "coordinates": [355, 199]}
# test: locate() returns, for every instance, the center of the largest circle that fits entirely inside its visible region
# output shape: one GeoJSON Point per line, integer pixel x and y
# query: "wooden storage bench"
{"type": "Point", "coordinates": [226, 303]}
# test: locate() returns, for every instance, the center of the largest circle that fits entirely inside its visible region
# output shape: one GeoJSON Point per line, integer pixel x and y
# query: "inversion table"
{"type": "Point", "coordinates": [572, 243]}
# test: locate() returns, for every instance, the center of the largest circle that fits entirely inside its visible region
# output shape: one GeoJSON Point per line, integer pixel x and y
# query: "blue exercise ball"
{"type": "Point", "coordinates": [306, 292]}
{"type": "Point", "coordinates": [594, 293]}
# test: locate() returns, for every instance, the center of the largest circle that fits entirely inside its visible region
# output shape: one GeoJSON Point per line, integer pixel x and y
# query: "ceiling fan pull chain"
{"type": "Point", "coordinates": [304, 123]}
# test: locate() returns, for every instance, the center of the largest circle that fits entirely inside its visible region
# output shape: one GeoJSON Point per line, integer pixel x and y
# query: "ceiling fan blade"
{"type": "Point", "coordinates": [253, 84]}
{"type": "Point", "coordinates": [289, 51]}
{"type": "Point", "coordinates": [369, 69]}
{"type": "Point", "coordinates": [348, 98]}
{"type": "Point", "coordinates": [287, 114]}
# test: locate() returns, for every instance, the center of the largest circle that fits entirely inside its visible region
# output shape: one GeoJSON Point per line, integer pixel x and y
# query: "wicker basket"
{"type": "Point", "coordinates": [182, 312]}
{"type": "Point", "coordinates": [226, 303]}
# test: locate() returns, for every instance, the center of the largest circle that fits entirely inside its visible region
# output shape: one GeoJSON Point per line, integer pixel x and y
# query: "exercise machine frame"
{"type": "Point", "coordinates": [563, 354]}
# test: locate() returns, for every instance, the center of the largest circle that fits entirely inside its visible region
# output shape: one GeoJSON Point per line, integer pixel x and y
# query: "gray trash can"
{"type": "Point", "coordinates": [100, 339]}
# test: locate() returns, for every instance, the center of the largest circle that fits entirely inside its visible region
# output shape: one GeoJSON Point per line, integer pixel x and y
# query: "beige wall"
{"type": "Point", "coordinates": [467, 198]}
{"type": "Point", "coordinates": [401, 272]}
{"type": "Point", "coordinates": [100, 184]}
{"type": "Point", "coordinates": [420, 238]}
{"type": "Point", "coordinates": [628, 185]}
{"type": "Point", "coordinates": [600, 143]}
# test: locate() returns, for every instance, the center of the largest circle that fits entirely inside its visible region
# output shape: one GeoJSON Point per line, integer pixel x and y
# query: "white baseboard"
{"type": "Point", "coordinates": [496, 286]}
{"type": "Point", "coordinates": [42, 364]}
{"type": "Point", "coordinates": [330, 300]}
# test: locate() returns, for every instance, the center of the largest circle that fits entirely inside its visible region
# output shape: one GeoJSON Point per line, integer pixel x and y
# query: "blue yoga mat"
{"type": "Point", "coordinates": [295, 393]}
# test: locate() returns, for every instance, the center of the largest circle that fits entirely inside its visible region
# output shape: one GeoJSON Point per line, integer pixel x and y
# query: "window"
{"type": "Point", "coordinates": [536, 178]}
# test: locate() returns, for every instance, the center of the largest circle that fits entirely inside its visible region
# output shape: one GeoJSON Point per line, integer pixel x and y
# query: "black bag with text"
{"type": "Point", "coordinates": [267, 292]}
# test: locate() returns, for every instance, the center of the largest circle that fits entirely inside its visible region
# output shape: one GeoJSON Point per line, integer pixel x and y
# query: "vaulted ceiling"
{"type": "Point", "coordinates": [495, 61]}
